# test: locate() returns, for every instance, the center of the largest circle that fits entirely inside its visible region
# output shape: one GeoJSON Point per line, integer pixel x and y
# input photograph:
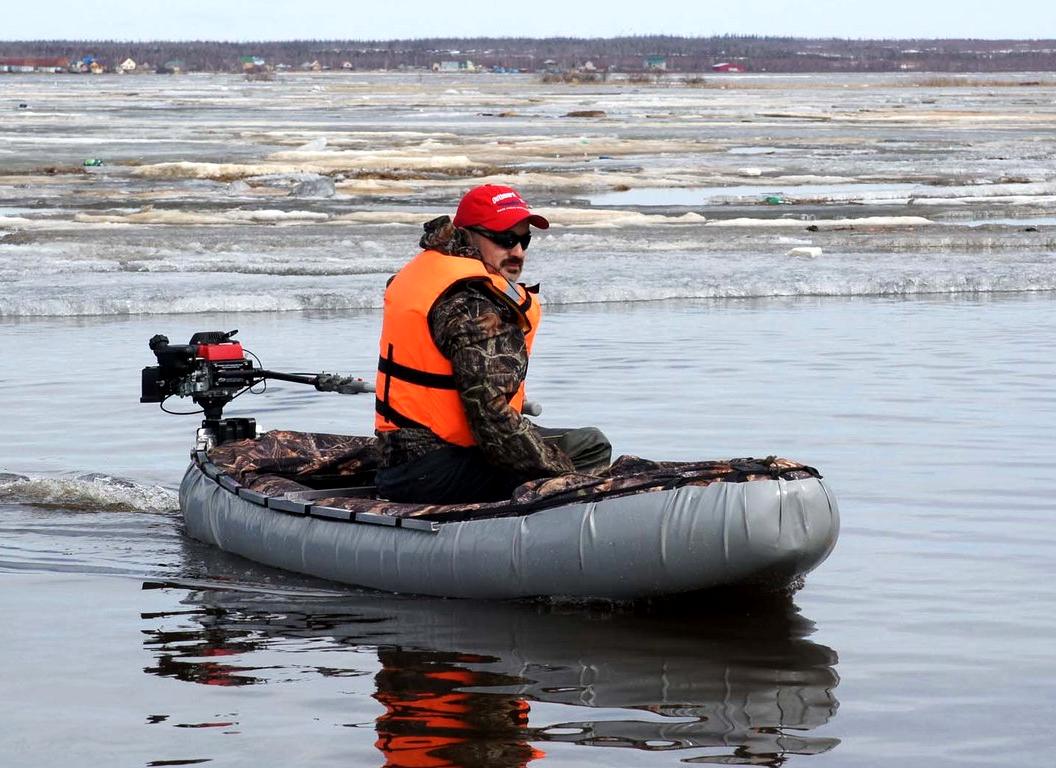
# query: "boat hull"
{"type": "Point", "coordinates": [766, 533]}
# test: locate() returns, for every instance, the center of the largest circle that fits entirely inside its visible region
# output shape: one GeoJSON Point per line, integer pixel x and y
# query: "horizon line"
{"type": "Point", "coordinates": [519, 37]}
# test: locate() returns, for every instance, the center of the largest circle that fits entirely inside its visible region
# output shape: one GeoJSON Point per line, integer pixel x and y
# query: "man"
{"type": "Point", "coordinates": [456, 335]}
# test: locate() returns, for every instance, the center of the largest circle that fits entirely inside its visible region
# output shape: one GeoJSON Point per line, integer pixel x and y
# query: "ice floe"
{"type": "Point", "coordinates": [185, 217]}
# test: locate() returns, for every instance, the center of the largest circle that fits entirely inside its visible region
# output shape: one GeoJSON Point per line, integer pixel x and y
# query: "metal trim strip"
{"type": "Point", "coordinates": [358, 491]}
{"type": "Point", "coordinates": [252, 496]}
{"type": "Point", "coordinates": [287, 505]}
{"type": "Point", "coordinates": [372, 518]}
{"type": "Point", "coordinates": [331, 513]}
{"type": "Point", "coordinates": [425, 526]}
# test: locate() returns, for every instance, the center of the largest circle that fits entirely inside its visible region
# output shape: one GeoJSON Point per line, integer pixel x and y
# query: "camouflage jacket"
{"type": "Point", "coordinates": [489, 359]}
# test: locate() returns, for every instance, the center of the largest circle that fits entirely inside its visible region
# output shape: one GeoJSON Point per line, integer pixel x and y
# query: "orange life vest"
{"type": "Point", "coordinates": [415, 386]}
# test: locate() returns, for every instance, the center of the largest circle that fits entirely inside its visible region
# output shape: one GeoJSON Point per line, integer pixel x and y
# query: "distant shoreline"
{"type": "Point", "coordinates": [592, 57]}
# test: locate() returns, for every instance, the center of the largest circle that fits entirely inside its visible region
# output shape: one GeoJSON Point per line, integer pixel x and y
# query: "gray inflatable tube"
{"type": "Point", "coordinates": [767, 532]}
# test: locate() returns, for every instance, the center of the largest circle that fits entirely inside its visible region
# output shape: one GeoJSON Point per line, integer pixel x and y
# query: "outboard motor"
{"type": "Point", "coordinates": [213, 369]}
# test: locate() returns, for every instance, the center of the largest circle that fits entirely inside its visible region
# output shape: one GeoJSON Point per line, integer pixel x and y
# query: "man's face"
{"type": "Point", "coordinates": [507, 262]}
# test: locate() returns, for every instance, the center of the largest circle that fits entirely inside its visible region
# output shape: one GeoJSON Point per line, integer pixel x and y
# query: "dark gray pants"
{"type": "Point", "coordinates": [461, 475]}
{"type": "Point", "coordinates": [588, 447]}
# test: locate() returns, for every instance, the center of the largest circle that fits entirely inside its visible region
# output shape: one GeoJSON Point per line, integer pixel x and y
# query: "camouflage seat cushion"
{"type": "Point", "coordinates": [282, 461]}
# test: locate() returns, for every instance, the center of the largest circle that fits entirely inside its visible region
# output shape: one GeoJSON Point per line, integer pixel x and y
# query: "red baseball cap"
{"type": "Point", "coordinates": [496, 208]}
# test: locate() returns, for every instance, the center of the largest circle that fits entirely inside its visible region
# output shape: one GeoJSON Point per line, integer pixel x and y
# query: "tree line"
{"type": "Point", "coordinates": [624, 54]}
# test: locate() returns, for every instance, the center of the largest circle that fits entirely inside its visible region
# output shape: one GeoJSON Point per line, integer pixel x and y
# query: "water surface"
{"type": "Point", "coordinates": [919, 641]}
{"type": "Point", "coordinates": [911, 362]}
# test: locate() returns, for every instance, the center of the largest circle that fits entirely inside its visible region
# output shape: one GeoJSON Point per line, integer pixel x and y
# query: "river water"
{"type": "Point", "coordinates": [911, 362]}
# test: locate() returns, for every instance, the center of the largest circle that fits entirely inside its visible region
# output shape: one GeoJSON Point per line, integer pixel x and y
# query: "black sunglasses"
{"type": "Point", "coordinates": [506, 239]}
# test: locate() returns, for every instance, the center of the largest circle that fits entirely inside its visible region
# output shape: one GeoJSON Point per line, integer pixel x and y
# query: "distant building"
{"type": "Point", "coordinates": [346, 65]}
{"type": "Point", "coordinates": [171, 67]}
{"type": "Point", "coordinates": [455, 65]}
{"type": "Point", "coordinates": [251, 63]}
{"type": "Point", "coordinates": [727, 66]}
{"type": "Point", "coordinates": [96, 68]}
{"type": "Point", "coordinates": [127, 66]}
{"type": "Point", "coordinates": [40, 64]}
{"type": "Point", "coordinates": [655, 63]}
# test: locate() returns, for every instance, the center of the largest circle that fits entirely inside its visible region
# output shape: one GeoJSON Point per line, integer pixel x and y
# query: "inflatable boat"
{"type": "Point", "coordinates": [304, 502]}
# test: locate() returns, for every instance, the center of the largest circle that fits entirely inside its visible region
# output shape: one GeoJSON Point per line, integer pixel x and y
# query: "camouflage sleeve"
{"type": "Point", "coordinates": [487, 352]}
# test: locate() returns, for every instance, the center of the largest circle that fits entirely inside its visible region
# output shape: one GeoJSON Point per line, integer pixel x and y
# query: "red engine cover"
{"type": "Point", "coordinates": [227, 351]}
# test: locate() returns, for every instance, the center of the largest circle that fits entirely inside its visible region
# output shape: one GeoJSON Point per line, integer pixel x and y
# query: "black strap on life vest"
{"type": "Point", "coordinates": [511, 295]}
{"type": "Point", "coordinates": [390, 369]}
{"type": "Point", "coordinates": [526, 304]}
{"type": "Point", "coordinates": [395, 417]}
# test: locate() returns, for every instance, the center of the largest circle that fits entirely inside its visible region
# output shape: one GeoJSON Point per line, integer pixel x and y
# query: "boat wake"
{"type": "Point", "coordinates": [89, 492]}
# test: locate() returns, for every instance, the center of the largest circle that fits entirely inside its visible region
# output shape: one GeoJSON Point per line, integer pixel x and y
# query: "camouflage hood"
{"type": "Point", "coordinates": [443, 236]}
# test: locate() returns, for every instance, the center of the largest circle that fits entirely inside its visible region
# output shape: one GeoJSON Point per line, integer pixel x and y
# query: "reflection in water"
{"type": "Point", "coordinates": [431, 719]}
{"type": "Point", "coordinates": [180, 654]}
{"type": "Point", "coordinates": [716, 679]}
{"type": "Point", "coordinates": [738, 683]}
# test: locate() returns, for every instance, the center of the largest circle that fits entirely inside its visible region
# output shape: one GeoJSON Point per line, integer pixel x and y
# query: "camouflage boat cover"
{"type": "Point", "coordinates": [282, 461]}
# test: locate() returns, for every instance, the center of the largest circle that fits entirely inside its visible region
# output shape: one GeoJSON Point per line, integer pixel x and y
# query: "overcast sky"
{"type": "Point", "coordinates": [347, 19]}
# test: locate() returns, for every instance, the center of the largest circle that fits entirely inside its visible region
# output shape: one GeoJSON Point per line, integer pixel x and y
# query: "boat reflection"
{"type": "Point", "coordinates": [467, 683]}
